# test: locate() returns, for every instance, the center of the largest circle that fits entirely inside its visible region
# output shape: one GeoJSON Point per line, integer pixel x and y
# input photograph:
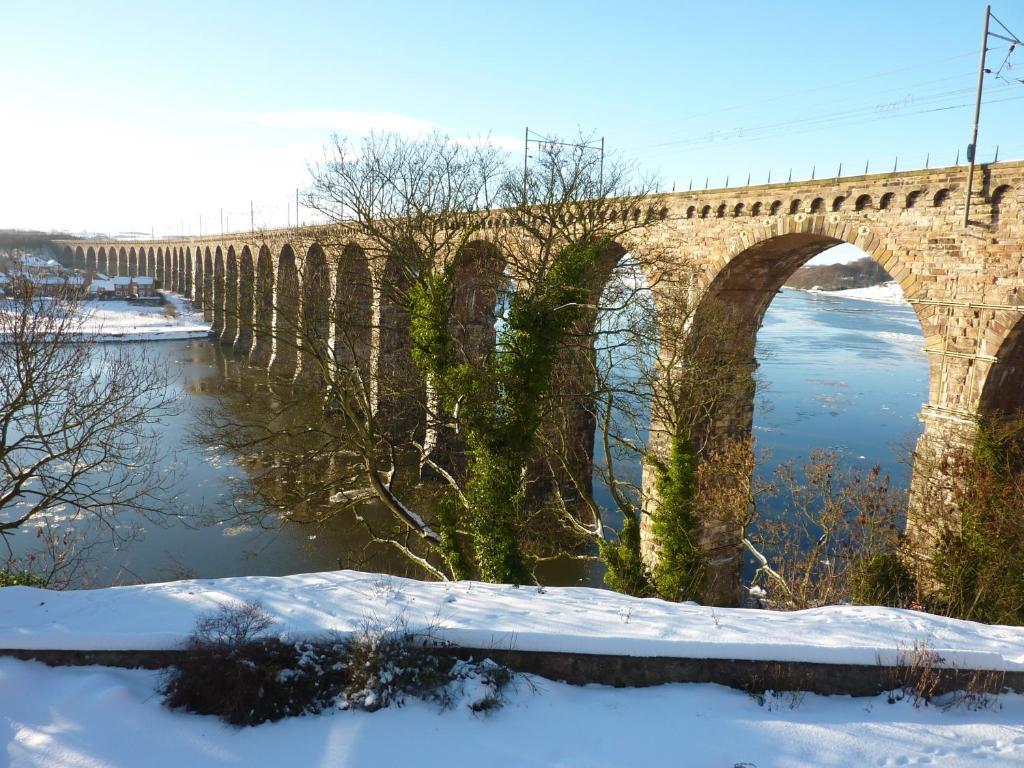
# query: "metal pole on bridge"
{"type": "Point", "coordinates": [977, 115]}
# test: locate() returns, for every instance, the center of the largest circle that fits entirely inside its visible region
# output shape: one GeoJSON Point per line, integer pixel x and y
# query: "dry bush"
{"type": "Point", "coordinates": [233, 670]}
{"type": "Point", "coordinates": [820, 535]}
{"type": "Point", "coordinates": [921, 676]}
{"type": "Point", "coordinates": [977, 492]}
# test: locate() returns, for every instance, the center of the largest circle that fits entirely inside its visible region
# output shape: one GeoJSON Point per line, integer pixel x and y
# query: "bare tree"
{"type": "Point", "coordinates": [485, 286]}
{"type": "Point", "coordinates": [79, 421]}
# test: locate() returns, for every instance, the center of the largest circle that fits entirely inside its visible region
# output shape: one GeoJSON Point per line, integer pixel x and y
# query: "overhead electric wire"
{"type": "Point", "coordinates": [832, 84]}
{"type": "Point", "coordinates": [815, 127]}
{"type": "Point", "coordinates": [844, 117]}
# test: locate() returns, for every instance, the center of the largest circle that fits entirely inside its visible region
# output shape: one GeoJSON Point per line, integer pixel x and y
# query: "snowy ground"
{"type": "Point", "coordinates": [887, 293]}
{"type": "Point", "coordinates": [93, 716]}
{"type": "Point", "coordinates": [473, 614]}
{"type": "Point", "coordinates": [121, 321]}
{"type": "Point", "coordinates": [88, 717]}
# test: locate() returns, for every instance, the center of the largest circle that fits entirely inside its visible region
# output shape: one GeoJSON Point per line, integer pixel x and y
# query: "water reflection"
{"type": "Point", "coordinates": [838, 373]}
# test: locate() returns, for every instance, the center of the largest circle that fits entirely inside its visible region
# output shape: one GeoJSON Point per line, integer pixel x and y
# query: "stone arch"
{"type": "Point", "coordinates": [720, 211]}
{"type": "Point", "coordinates": [353, 313]}
{"type": "Point", "coordinates": [571, 423]}
{"type": "Point", "coordinates": [817, 205]}
{"type": "Point", "coordinates": [198, 280]}
{"type": "Point", "coordinates": [999, 198]}
{"type": "Point", "coordinates": [775, 208]}
{"type": "Point", "coordinates": [90, 260]}
{"type": "Point", "coordinates": [862, 203]}
{"type": "Point", "coordinates": [101, 260]}
{"type": "Point", "coordinates": [1002, 392]}
{"type": "Point", "coordinates": [705, 211]}
{"type": "Point", "coordinates": [691, 211]}
{"type": "Point", "coordinates": [133, 262]}
{"type": "Point", "coordinates": [219, 288]}
{"type": "Point", "coordinates": [67, 256]}
{"type": "Point", "coordinates": [180, 281]}
{"type": "Point", "coordinates": [122, 262]}
{"type": "Point", "coordinates": [246, 290]}
{"type": "Point", "coordinates": [188, 277]}
{"type": "Point", "coordinates": [78, 259]}
{"type": "Point", "coordinates": [837, 203]}
{"type": "Point", "coordinates": [738, 209]}
{"type": "Point", "coordinates": [263, 310]}
{"type": "Point", "coordinates": [885, 202]}
{"type": "Point", "coordinates": [941, 197]}
{"type": "Point", "coordinates": [230, 332]}
{"type": "Point", "coordinates": [400, 392]}
{"type": "Point", "coordinates": [168, 272]}
{"type": "Point", "coordinates": [158, 270]}
{"type": "Point", "coordinates": [315, 319]}
{"type": "Point", "coordinates": [794, 206]}
{"type": "Point", "coordinates": [208, 294]}
{"type": "Point", "coordinates": [755, 209]}
{"type": "Point", "coordinates": [151, 263]}
{"type": "Point", "coordinates": [913, 198]}
{"type": "Point", "coordinates": [286, 315]}
{"type": "Point", "coordinates": [748, 277]}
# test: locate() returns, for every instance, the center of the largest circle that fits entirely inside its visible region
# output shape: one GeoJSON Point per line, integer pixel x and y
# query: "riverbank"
{"type": "Point", "coordinates": [121, 321]}
{"type": "Point", "coordinates": [884, 293]}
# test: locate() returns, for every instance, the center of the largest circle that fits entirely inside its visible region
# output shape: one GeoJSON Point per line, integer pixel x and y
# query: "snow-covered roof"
{"type": "Point", "coordinates": [122, 280]}
{"type": "Point", "coordinates": [143, 280]}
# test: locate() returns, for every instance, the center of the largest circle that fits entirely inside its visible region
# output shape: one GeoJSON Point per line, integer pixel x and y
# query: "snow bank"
{"type": "Point", "coordinates": [121, 321]}
{"type": "Point", "coordinates": [568, 619]}
{"type": "Point", "coordinates": [886, 293]}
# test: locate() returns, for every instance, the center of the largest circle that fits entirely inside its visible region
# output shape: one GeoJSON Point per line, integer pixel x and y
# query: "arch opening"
{"type": "Point", "coordinates": [315, 320]}
{"type": "Point", "coordinates": [845, 371]}
{"type": "Point", "coordinates": [230, 332]}
{"type": "Point", "coordinates": [263, 310]}
{"type": "Point", "coordinates": [246, 291]}
{"type": "Point", "coordinates": [219, 289]}
{"type": "Point", "coordinates": [287, 295]}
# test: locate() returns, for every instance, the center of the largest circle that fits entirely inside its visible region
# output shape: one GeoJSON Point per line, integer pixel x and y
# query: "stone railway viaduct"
{"type": "Point", "coordinates": [965, 283]}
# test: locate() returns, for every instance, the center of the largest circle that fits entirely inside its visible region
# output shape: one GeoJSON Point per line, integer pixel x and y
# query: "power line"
{"type": "Point", "coordinates": [849, 118]}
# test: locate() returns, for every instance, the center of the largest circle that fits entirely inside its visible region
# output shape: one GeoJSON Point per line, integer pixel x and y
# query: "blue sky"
{"type": "Point", "coordinates": [149, 115]}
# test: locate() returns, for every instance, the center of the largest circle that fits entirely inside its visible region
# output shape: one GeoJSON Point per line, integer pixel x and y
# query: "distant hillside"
{"type": "Point", "coordinates": [836, 277]}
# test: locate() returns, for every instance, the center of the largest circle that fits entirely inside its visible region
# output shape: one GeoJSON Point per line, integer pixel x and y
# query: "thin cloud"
{"type": "Point", "coordinates": [361, 123]}
{"type": "Point", "coordinates": [331, 120]}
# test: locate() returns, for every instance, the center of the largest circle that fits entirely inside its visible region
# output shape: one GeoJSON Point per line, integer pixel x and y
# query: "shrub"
{"type": "Point", "coordinates": [882, 578]}
{"type": "Point", "coordinates": [231, 670]}
{"type": "Point", "coordinates": [978, 554]}
{"type": "Point", "coordinates": [14, 578]}
{"type": "Point", "coordinates": [387, 668]}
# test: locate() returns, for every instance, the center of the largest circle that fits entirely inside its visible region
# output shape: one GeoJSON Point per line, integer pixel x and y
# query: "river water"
{"type": "Point", "coordinates": [834, 373]}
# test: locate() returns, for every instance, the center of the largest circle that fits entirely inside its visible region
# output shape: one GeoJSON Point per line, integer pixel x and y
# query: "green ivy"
{"type": "Point", "coordinates": [501, 402]}
{"type": "Point", "coordinates": [627, 572]}
{"type": "Point", "coordinates": [681, 572]}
